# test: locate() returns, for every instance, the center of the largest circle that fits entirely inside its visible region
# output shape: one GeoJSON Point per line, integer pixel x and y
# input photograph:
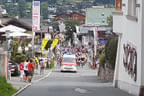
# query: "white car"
{"type": "Point", "coordinates": [68, 63]}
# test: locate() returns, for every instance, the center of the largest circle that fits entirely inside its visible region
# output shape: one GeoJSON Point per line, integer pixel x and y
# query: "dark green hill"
{"type": "Point", "coordinates": [104, 2]}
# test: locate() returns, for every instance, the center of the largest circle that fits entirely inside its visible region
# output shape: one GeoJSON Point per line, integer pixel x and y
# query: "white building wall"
{"type": "Point", "coordinates": [142, 27]}
{"type": "Point", "coordinates": [117, 23]}
{"type": "Point", "coordinates": [132, 32]}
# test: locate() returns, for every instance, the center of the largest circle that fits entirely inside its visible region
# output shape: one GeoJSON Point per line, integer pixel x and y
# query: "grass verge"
{"type": "Point", "coordinates": [6, 89]}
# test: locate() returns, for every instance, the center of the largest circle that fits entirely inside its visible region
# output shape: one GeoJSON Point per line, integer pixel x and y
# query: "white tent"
{"type": "Point", "coordinates": [18, 34]}
{"type": "Point", "coordinates": [12, 28]}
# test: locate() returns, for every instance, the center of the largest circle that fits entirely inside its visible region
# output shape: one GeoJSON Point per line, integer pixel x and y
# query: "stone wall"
{"type": "Point", "coordinates": [105, 74]}
{"type": "Point", "coordinates": [3, 63]}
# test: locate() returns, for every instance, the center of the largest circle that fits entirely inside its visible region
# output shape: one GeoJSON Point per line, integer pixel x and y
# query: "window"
{"type": "Point", "coordinates": [131, 11]}
{"type": "Point", "coordinates": [103, 21]}
{"type": "Point", "coordinates": [102, 14]}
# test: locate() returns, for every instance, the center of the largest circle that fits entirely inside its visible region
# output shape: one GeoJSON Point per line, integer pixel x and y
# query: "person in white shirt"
{"type": "Point", "coordinates": [26, 69]}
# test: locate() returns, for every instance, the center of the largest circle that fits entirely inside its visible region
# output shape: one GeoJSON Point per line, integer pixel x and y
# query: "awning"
{"type": "Point", "coordinates": [12, 28]}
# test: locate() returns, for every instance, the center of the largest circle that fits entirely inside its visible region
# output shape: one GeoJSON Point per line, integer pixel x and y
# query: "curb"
{"type": "Point", "coordinates": [42, 77]}
{"type": "Point", "coordinates": [29, 84]}
{"type": "Point", "coordinates": [19, 91]}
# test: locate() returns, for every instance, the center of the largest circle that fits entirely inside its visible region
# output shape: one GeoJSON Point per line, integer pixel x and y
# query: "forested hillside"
{"type": "Point", "coordinates": [23, 8]}
{"type": "Point", "coordinates": [104, 2]}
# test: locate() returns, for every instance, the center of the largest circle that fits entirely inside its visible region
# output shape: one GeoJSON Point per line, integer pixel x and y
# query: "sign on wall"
{"type": "Point", "coordinates": [118, 5]}
{"type": "Point", "coordinates": [130, 60]}
{"type": "Point", "coordinates": [36, 16]}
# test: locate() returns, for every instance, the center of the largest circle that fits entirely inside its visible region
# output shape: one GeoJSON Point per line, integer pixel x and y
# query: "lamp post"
{"type": "Point", "coordinates": [95, 40]}
{"type": "Point", "coordinates": [29, 47]}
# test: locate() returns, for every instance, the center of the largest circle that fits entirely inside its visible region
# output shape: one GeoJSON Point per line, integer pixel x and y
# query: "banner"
{"type": "Point", "coordinates": [118, 5]}
{"type": "Point", "coordinates": [36, 16]}
{"type": "Point", "coordinates": [44, 42]}
{"type": "Point", "coordinates": [54, 43]}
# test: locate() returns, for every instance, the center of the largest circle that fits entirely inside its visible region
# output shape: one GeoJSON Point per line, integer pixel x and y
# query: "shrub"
{"type": "Point", "coordinates": [110, 52]}
{"type": "Point", "coordinates": [19, 58]}
{"type": "Point", "coordinates": [51, 64]}
{"type": "Point", "coordinates": [6, 89]}
{"type": "Point", "coordinates": [102, 60]}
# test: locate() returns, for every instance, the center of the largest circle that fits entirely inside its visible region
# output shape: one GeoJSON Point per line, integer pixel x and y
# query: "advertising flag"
{"type": "Point", "coordinates": [36, 16]}
{"type": "Point", "coordinates": [54, 43]}
{"type": "Point", "coordinates": [44, 42]}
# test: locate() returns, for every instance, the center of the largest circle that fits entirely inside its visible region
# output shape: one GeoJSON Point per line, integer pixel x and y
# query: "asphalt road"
{"type": "Point", "coordinates": [82, 83]}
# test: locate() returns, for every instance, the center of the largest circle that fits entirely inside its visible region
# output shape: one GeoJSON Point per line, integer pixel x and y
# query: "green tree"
{"type": "Point", "coordinates": [55, 26]}
{"type": "Point", "coordinates": [102, 59]}
{"type": "Point", "coordinates": [22, 8]}
{"type": "Point", "coordinates": [110, 51]}
{"type": "Point", "coordinates": [12, 10]}
{"type": "Point", "coordinates": [44, 10]}
{"type": "Point", "coordinates": [110, 20]}
{"type": "Point", "coordinates": [14, 51]}
{"type": "Point", "coordinates": [29, 9]}
{"type": "Point", "coordinates": [70, 29]}
{"type": "Point", "coordinates": [103, 2]}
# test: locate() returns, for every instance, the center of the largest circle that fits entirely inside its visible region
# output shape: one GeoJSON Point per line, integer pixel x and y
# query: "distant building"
{"type": "Point", "coordinates": [97, 16]}
{"type": "Point", "coordinates": [2, 10]}
{"type": "Point", "coordinates": [73, 16]}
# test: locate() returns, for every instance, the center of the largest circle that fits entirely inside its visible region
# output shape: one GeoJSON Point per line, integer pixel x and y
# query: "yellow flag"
{"type": "Point", "coordinates": [54, 43]}
{"type": "Point", "coordinates": [44, 42]}
{"type": "Point", "coordinates": [36, 59]}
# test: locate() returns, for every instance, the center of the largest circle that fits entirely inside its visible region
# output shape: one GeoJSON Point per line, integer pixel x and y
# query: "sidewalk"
{"type": "Point", "coordinates": [16, 83]}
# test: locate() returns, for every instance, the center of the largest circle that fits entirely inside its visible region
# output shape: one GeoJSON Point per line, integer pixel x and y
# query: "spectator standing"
{"type": "Point", "coordinates": [42, 67]}
{"type": "Point", "coordinates": [26, 69]}
{"type": "Point", "coordinates": [30, 70]}
{"type": "Point", "coordinates": [21, 66]}
{"type": "Point", "coordinates": [37, 61]}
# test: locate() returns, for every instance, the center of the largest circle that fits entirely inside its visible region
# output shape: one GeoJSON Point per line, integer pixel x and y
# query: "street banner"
{"type": "Point", "coordinates": [44, 43]}
{"type": "Point", "coordinates": [118, 5]}
{"type": "Point", "coordinates": [54, 43]}
{"type": "Point", "coordinates": [97, 34]}
{"type": "Point", "coordinates": [36, 16]}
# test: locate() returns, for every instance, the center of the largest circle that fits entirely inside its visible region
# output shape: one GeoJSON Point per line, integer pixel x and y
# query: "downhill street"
{"type": "Point", "coordinates": [82, 83]}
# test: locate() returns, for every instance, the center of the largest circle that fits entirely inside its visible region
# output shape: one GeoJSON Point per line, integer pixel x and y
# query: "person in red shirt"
{"type": "Point", "coordinates": [21, 67]}
{"type": "Point", "coordinates": [30, 70]}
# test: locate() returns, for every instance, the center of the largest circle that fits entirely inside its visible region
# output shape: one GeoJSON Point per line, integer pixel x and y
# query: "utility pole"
{"type": "Point", "coordinates": [95, 40]}
{"type": "Point", "coordinates": [33, 33]}
{"type": "Point", "coordinates": [35, 21]}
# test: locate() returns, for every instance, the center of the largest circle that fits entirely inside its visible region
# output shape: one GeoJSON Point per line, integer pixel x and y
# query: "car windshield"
{"type": "Point", "coordinates": [68, 59]}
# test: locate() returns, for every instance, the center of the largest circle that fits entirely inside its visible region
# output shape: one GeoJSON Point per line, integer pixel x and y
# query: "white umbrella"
{"type": "Point", "coordinates": [12, 28]}
{"type": "Point", "coordinates": [19, 34]}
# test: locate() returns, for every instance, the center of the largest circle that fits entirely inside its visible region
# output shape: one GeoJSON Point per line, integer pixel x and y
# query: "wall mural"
{"type": "Point", "coordinates": [130, 60]}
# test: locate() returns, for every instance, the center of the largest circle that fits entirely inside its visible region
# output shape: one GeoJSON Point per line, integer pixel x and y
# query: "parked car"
{"type": "Point", "coordinates": [68, 63]}
{"type": "Point", "coordinates": [13, 67]}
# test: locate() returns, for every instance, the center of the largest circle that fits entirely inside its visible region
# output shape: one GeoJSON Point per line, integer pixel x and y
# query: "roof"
{"type": "Point", "coordinates": [23, 23]}
{"type": "Point", "coordinates": [68, 15]}
{"type": "Point", "coordinates": [12, 28]}
{"type": "Point", "coordinates": [98, 16]}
